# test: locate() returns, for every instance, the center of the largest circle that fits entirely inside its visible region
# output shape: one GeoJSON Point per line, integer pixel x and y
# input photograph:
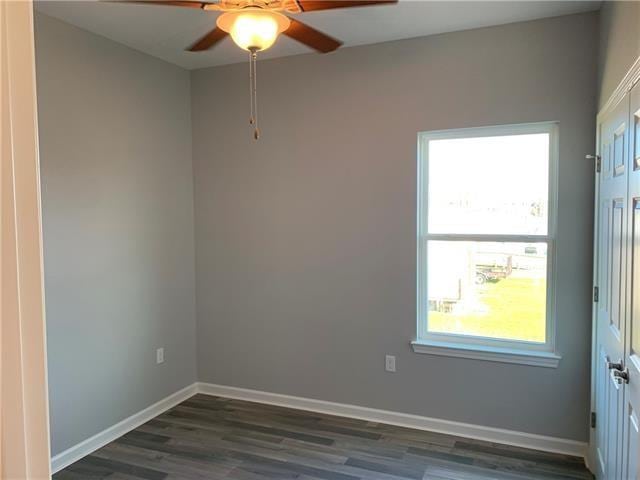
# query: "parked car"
{"type": "Point", "coordinates": [493, 267]}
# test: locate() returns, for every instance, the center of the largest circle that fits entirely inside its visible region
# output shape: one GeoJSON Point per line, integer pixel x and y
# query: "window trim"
{"type": "Point", "coordinates": [491, 354]}
{"type": "Point", "coordinates": [467, 346]}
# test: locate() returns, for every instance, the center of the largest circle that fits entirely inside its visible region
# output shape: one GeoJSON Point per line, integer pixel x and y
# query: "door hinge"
{"type": "Point", "coordinates": [598, 161]}
{"type": "Point", "coordinates": [593, 419]}
{"type": "Point", "coordinates": [596, 294]}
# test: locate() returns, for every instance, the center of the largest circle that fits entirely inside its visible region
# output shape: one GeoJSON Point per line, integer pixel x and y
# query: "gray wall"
{"type": "Point", "coordinates": [305, 240]}
{"type": "Point", "coordinates": [117, 194]}
{"type": "Point", "coordinates": [619, 44]}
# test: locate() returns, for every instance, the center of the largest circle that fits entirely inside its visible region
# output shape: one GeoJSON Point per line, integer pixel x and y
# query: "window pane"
{"type": "Point", "coordinates": [489, 185]}
{"type": "Point", "coordinates": [487, 289]}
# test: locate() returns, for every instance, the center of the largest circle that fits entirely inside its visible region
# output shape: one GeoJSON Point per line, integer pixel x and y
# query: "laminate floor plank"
{"type": "Point", "coordinates": [215, 438]}
{"type": "Point", "coordinates": [173, 465]}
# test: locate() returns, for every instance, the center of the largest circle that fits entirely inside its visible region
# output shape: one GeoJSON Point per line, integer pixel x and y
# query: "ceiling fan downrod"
{"type": "Point", "coordinates": [253, 92]}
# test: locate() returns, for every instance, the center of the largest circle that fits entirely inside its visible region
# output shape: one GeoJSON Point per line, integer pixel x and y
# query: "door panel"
{"type": "Point", "coordinates": [602, 401]}
{"type": "Point", "coordinates": [636, 140]}
{"type": "Point", "coordinates": [634, 327]}
{"type": "Point", "coordinates": [605, 153]}
{"type": "Point", "coordinates": [617, 264]}
{"type": "Point", "coordinates": [612, 467]}
{"type": "Point", "coordinates": [632, 444]}
{"type": "Point", "coordinates": [619, 150]}
{"type": "Point", "coordinates": [612, 279]}
{"type": "Point", "coordinates": [631, 436]}
{"type": "Point", "coordinates": [603, 268]}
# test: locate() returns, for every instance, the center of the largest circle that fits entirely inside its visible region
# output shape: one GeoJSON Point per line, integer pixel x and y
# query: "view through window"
{"type": "Point", "coordinates": [484, 234]}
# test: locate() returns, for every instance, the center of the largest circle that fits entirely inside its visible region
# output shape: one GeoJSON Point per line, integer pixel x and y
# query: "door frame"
{"type": "Point", "coordinates": [24, 417]}
{"type": "Point", "coordinates": [631, 78]}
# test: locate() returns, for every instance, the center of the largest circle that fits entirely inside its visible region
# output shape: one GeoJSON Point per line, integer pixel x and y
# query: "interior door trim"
{"type": "Point", "coordinates": [626, 84]}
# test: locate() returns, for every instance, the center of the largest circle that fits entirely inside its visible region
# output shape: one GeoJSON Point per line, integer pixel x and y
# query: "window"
{"type": "Point", "coordinates": [486, 225]}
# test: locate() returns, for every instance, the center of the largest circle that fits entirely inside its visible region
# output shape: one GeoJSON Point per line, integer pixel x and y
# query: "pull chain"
{"type": "Point", "coordinates": [253, 93]}
{"type": "Point", "coordinates": [251, 119]}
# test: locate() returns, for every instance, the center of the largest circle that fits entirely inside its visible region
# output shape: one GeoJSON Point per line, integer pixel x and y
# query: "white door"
{"type": "Point", "coordinates": [611, 282]}
{"type": "Point", "coordinates": [631, 405]}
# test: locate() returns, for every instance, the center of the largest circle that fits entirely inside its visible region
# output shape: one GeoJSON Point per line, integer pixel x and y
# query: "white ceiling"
{"type": "Point", "coordinates": [165, 32]}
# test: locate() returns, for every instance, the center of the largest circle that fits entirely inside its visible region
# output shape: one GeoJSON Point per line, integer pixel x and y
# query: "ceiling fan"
{"type": "Point", "coordinates": [254, 25]}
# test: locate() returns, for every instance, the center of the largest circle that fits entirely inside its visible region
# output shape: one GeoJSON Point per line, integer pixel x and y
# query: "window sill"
{"type": "Point", "coordinates": [478, 352]}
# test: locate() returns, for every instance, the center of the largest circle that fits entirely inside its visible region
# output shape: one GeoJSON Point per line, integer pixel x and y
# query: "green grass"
{"type": "Point", "coordinates": [515, 311]}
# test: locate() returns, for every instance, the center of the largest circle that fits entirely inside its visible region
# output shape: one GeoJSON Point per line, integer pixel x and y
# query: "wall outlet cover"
{"type": "Point", "coordinates": [160, 355]}
{"type": "Point", "coordinates": [390, 363]}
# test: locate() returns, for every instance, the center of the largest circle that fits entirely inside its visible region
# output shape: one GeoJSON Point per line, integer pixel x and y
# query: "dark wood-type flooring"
{"type": "Point", "coordinates": [211, 438]}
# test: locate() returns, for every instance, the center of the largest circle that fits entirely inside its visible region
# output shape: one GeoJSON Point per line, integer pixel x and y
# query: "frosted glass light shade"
{"type": "Point", "coordinates": [253, 28]}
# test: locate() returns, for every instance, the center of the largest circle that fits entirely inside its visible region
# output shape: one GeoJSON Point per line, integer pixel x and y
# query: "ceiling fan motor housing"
{"type": "Point", "coordinates": [290, 6]}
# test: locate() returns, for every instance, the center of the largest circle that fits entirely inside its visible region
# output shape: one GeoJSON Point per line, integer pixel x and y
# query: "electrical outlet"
{"type": "Point", "coordinates": [160, 355]}
{"type": "Point", "coordinates": [390, 363]}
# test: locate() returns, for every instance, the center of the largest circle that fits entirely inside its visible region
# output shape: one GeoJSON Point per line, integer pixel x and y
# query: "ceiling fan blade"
{"type": "Point", "coordinates": [169, 3]}
{"type": "Point", "coordinates": [208, 41]}
{"type": "Point", "coordinates": [313, 5]}
{"type": "Point", "coordinates": [311, 37]}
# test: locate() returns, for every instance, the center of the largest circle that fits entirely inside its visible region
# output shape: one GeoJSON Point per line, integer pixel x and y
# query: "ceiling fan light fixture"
{"type": "Point", "coordinates": [254, 25]}
{"type": "Point", "coordinates": [253, 29]}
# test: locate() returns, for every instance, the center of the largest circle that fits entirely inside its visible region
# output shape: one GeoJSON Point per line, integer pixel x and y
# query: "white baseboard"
{"type": "Point", "coordinates": [490, 434]}
{"type": "Point", "coordinates": [75, 453]}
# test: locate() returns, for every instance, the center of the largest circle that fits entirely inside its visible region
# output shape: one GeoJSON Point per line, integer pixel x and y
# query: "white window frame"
{"type": "Point", "coordinates": [475, 347]}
